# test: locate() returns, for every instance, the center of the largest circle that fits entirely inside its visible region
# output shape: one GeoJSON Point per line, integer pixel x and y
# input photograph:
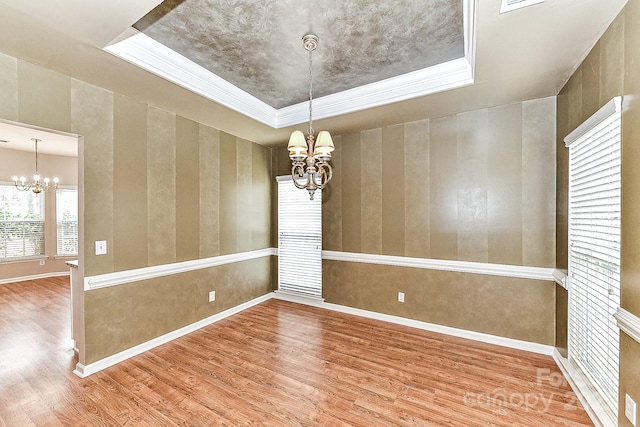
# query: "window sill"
{"type": "Point", "coordinates": [66, 257]}
{"type": "Point", "coordinates": [21, 260]}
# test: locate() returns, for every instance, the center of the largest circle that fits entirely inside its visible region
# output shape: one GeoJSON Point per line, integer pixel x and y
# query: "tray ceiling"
{"type": "Point", "coordinates": [256, 44]}
{"type": "Point", "coordinates": [248, 55]}
{"type": "Point", "coordinates": [507, 58]}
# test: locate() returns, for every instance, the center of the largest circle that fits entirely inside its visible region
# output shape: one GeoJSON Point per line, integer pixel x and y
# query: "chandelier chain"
{"type": "Point", "coordinates": [36, 141]}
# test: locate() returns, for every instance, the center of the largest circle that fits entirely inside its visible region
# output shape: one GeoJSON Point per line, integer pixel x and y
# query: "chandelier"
{"type": "Point", "coordinates": [38, 185]}
{"type": "Point", "coordinates": [309, 155]}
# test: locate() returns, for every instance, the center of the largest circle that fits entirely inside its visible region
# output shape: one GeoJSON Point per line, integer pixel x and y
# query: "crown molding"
{"type": "Point", "coordinates": [441, 77]}
{"type": "Point", "coordinates": [144, 52]}
{"type": "Point", "coordinates": [148, 54]}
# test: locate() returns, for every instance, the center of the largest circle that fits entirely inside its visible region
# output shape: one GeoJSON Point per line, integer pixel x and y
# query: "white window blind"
{"type": "Point", "coordinates": [299, 240]}
{"type": "Point", "coordinates": [21, 224]}
{"type": "Point", "coordinates": [67, 219]}
{"type": "Point", "coordinates": [594, 249]}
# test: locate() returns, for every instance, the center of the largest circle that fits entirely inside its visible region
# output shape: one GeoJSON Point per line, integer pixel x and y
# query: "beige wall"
{"type": "Point", "coordinates": [15, 162]}
{"type": "Point", "coordinates": [176, 190]}
{"type": "Point", "coordinates": [476, 186]}
{"type": "Point", "coordinates": [178, 300]}
{"type": "Point", "coordinates": [612, 68]}
{"type": "Point", "coordinates": [521, 309]}
{"type": "Point", "coordinates": [159, 188]}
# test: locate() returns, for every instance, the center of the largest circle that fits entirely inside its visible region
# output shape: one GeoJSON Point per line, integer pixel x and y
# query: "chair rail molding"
{"type": "Point", "coordinates": [517, 271]}
{"type": "Point", "coordinates": [628, 323]}
{"type": "Point", "coordinates": [135, 275]}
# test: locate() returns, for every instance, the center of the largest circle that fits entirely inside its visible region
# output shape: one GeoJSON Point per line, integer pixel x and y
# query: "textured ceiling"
{"type": "Point", "coordinates": [256, 44]}
{"type": "Point", "coordinates": [525, 54]}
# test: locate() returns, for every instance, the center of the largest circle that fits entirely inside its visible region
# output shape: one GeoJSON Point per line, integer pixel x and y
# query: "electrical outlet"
{"type": "Point", "coordinates": [400, 296]}
{"type": "Point", "coordinates": [630, 410]}
{"type": "Point", "coordinates": [42, 262]}
{"type": "Point", "coordinates": [212, 296]}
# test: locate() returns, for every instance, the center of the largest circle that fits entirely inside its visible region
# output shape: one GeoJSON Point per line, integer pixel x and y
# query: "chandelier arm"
{"type": "Point", "coordinates": [297, 171]}
{"type": "Point", "coordinates": [325, 173]}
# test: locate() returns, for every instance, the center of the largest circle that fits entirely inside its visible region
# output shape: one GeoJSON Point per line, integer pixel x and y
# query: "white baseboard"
{"type": "Point", "coordinates": [34, 277]}
{"type": "Point", "coordinates": [301, 299]}
{"type": "Point", "coordinates": [432, 327]}
{"type": "Point", "coordinates": [593, 405]}
{"type": "Point", "coordinates": [447, 330]}
{"type": "Point", "coordinates": [85, 370]}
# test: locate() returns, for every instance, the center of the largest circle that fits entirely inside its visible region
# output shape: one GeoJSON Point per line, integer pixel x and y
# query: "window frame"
{"type": "Point", "coordinates": [66, 188]}
{"type": "Point", "coordinates": [303, 256]}
{"type": "Point", "coordinates": [39, 252]}
{"type": "Point", "coordinates": [587, 254]}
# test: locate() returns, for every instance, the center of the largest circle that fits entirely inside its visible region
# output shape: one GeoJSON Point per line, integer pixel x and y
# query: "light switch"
{"type": "Point", "coordinates": [101, 247]}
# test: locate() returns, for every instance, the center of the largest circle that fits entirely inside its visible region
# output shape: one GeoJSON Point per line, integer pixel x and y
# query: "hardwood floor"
{"type": "Point", "coordinates": [276, 364]}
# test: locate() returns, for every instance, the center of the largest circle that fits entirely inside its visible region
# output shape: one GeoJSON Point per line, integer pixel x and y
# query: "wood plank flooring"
{"type": "Point", "coordinates": [276, 364]}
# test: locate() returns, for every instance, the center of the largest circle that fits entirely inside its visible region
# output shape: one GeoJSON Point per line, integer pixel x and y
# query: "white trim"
{"type": "Point", "coordinates": [300, 299]}
{"type": "Point", "coordinates": [611, 107]}
{"type": "Point", "coordinates": [128, 276]}
{"type": "Point", "coordinates": [84, 371]}
{"type": "Point", "coordinates": [34, 277]}
{"type": "Point", "coordinates": [597, 410]}
{"type": "Point", "coordinates": [67, 187]}
{"type": "Point", "coordinates": [470, 25]}
{"type": "Point", "coordinates": [446, 330]}
{"type": "Point", "coordinates": [509, 5]}
{"type": "Point", "coordinates": [144, 52]}
{"type": "Point", "coordinates": [150, 55]}
{"type": "Point", "coordinates": [66, 257]}
{"type": "Point", "coordinates": [39, 129]}
{"type": "Point", "coordinates": [628, 323]}
{"type": "Point", "coordinates": [31, 258]}
{"type": "Point", "coordinates": [522, 272]}
{"type": "Point", "coordinates": [561, 276]}
{"type": "Point", "coordinates": [438, 78]}
{"type": "Point", "coordinates": [431, 327]}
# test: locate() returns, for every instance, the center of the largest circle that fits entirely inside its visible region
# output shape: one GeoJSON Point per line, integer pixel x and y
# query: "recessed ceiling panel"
{"type": "Point", "coordinates": [256, 44]}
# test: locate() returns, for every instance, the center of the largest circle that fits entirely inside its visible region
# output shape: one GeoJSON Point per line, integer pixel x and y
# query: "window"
{"type": "Point", "coordinates": [21, 224]}
{"type": "Point", "coordinates": [67, 218]}
{"type": "Point", "coordinates": [594, 250]}
{"type": "Point", "coordinates": [299, 240]}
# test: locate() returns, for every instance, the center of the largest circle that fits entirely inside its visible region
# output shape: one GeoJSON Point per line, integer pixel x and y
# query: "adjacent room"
{"type": "Point", "coordinates": [343, 212]}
